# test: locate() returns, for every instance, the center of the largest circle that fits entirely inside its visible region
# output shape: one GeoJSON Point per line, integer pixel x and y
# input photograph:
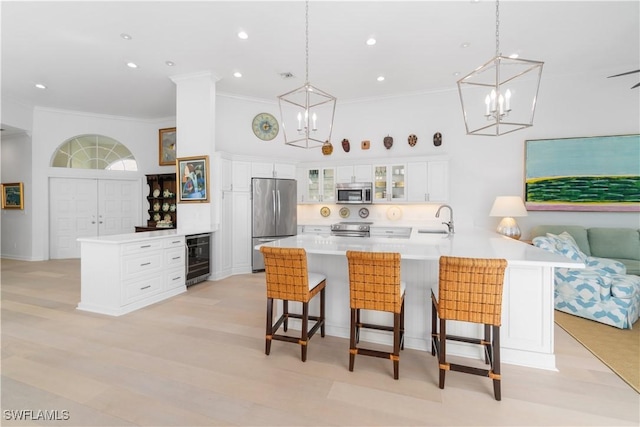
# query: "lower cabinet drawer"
{"type": "Point", "coordinates": [136, 290]}
{"type": "Point", "coordinates": [174, 278]}
{"type": "Point", "coordinates": [146, 263]}
{"type": "Point", "coordinates": [174, 258]}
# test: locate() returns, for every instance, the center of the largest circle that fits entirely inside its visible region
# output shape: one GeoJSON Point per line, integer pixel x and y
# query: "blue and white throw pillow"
{"type": "Point", "coordinates": [567, 246]}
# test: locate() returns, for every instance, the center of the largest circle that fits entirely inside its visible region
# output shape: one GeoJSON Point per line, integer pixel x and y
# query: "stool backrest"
{"type": "Point", "coordinates": [286, 273]}
{"type": "Point", "coordinates": [374, 281]}
{"type": "Point", "coordinates": [470, 289]}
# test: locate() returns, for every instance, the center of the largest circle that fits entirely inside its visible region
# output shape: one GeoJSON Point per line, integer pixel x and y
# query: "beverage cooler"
{"type": "Point", "coordinates": [198, 258]}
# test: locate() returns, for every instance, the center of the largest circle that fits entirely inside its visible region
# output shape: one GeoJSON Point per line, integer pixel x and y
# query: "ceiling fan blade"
{"type": "Point", "coordinates": [624, 74]}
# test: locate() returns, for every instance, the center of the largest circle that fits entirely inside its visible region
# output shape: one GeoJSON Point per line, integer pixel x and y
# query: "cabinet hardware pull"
{"type": "Point", "coordinates": [145, 287]}
{"type": "Point", "coordinates": [145, 263]}
{"type": "Point", "coordinates": [176, 241]}
{"type": "Point", "coordinates": [176, 257]}
{"type": "Point", "coordinates": [176, 278]}
{"type": "Point", "coordinates": [145, 246]}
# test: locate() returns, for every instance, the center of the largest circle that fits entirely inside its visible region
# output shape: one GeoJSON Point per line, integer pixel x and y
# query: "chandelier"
{"type": "Point", "coordinates": [306, 113]}
{"type": "Point", "coordinates": [499, 97]}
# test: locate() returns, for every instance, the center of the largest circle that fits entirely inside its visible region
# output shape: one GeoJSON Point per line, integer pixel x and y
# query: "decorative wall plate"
{"type": "Point", "coordinates": [437, 139]}
{"type": "Point", "coordinates": [345, 212]}
{"type": "Point", "coordinates": [388, 141]}
{"type": "Point", "coordinates": [327, 148]}
{"type": "Point", "coordinates": [156, 217]}
{"type": "Point", "coordinates": [413, 140]}
{"type": "Point", "coordinates": [172, 208]}
{"type": "Point", "coordinates": [156, 192]}
{"type": "Point", "coordinates": [363, 212]}
{"type": "Point", "coordinates": [345, 145]}
{"type": "Point", "coordinates": [394, 213]}
{"type": "Point", "coordinates": [365, 144]}
{"type": "Point", "coordinates": [165, 207]}
{"type": "Point", "coordinates": [325, 211]}
{"type": "Point", "coordinates": [156, 206]}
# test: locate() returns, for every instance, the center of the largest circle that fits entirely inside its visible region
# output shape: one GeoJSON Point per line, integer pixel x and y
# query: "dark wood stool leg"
{"type": "Point", "coordinates": [496, 363]}
{"type": "Point", "coordinates": [357, 326]}
{"type": "Point", "coordinates": [442, 359]}
{"type": "Point", "coordinates": [352, 340]}
{"type": "Point", "coordinates": [396, 345]}
{"type": "Point", "coordinates": [305, 330]}
{"type": "Point", "coordinates": [487, 347]}
{"type": "Point", "coordinates": [434, 325]}
{"type": "Point", "coordinates": [402, 325]}
{"type": "Point", "coordinates": [285, 312]}
{"type": "Point", "coordinates": [322, 312]}
{"type": "Point", "coordinates": [269, 331]}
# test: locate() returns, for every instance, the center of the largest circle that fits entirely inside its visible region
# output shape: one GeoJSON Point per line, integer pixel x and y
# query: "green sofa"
{"type": "Point", "coordinates": [620, 244]}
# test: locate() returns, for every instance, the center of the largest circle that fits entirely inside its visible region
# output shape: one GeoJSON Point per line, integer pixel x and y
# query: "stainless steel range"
{"type": "Point", "coordinates": [351, 229]}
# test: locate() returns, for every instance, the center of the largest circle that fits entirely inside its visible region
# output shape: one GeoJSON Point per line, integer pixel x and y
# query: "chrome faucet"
{"type": "Point", "coordinates": [450, 223]}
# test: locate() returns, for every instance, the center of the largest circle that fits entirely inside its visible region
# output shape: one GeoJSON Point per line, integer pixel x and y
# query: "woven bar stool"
{"type": "Point", "coordinates": [288, 280]}
{"type": "Point", "coordinates": [469, 290]}
{"type": "Point", "coordinates": [374, 284]}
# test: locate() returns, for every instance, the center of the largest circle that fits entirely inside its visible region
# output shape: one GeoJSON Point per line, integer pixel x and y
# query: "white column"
{"type": "Point", "coordinates": [195, 136]}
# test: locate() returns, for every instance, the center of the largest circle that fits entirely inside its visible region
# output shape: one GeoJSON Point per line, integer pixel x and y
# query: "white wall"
{"type": "Point", "coordinates": [481, 167]}
{"type": "Point", "coordinates": [16, 224]}
{"type": "Point", "coordinates": [52, 127]}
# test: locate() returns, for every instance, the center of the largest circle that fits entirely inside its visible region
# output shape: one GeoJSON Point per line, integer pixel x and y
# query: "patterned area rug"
{"type": "Point", "coordinates": [619, 349]}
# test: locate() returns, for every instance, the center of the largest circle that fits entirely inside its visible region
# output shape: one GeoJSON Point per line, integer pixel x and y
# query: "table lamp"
{"type": "Point", "coordinates": [508, 207]}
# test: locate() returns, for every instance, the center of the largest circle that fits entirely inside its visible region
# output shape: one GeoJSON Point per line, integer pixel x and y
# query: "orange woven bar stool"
{"type": "Point", "coordinates": [288, 280]}
{"type": "Point", "coordinates": [469, 290]}
{"type": "Point", "coordinates": [374, 284]}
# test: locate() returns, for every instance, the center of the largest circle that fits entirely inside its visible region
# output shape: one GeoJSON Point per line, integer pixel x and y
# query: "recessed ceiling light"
{"type": "Point", "coordinates": [243, 35]}
{"type": "Point", "coordinates": [126, 36]}
{"type": "Point", "coordinates": [465, 45]}
{"type": "Point", "coordinates": [456, 73]}
{"type": "Point", "coordinates": [237, 74]}
{"type": "Point", "coordinates": [371, 41]}
{"type": "Point", "coordinates": [40, 86]}
{"type": "Point", "coordinates": [170, 63]}
{"type": "Point", "coordinates": [132, 65]}
{"type": "Point", "coordinates": [380, 78]}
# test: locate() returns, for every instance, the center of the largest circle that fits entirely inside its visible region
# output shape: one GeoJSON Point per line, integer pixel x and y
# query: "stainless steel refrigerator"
{"type": "Point", "coordinates": [274, 213]}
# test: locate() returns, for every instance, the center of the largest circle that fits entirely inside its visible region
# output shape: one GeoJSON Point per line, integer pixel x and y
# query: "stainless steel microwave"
{"type": "Point", "coordinates": [354, 193]}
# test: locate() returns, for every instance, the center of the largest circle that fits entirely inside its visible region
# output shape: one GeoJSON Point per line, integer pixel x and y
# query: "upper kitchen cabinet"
{"type": "Point", "coordinates": [273, 170]}
{"type": "Point", "coordinates": [357, 173]}
{"type": "Point", "coordinates": [389, 183]}
{"type": "Point", "coordinates": [428, 181]}
{"type": "Point", "coordinates": [317, 185]}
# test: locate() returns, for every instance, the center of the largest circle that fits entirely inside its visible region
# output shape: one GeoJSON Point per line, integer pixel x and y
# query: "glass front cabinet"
{"type": "Point", "coordinates": [389, 183]}
{"type": "Point", "coordinates": [321, 185]}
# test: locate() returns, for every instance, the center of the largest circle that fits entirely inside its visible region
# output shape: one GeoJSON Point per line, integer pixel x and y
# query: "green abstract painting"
{"type": "Point", "coordinates": [583, 174]}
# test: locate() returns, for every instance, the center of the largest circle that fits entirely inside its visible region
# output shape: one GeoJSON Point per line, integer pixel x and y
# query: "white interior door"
{"type": "Point", "coordinates": [89, 208]}
{"type": "Point", "coordinates": [72, 214]}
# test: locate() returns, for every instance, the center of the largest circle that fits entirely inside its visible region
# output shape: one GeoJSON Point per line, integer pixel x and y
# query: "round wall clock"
{"type": "Point", "coordinates": [265, 126]}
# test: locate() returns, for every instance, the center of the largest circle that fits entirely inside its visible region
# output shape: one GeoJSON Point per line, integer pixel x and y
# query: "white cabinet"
{"type": "Point", "coordinates": [273, 170]}
{"type": "Point", "coordinates": [120, 277]}
{"type": "Point", "coordinates": [318, 185]}
{"type": "Point", "coordinates": [428, 181]}
{"type": "Point", "coordinates": [316, 229]}
{"type": "Point", "coordinates": [241, 232]}
{"type": "Point", "coordinates": [241, 176]}
{"type": "Point", "coordinates": [389, 183]}
{"type": "Point", "coordinates": [395, 232]}
{"type": "Point", "coordinates": [357, 173]}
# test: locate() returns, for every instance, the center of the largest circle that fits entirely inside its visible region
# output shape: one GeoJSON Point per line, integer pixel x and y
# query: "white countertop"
{"type": "Point", "coordinates": [474, 244]}
{"type": "Point", "coordinates": [144, 236]}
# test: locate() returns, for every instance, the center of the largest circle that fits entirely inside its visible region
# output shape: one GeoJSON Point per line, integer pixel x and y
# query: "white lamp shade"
{"type": "Point", "coordinates": [508, 206]}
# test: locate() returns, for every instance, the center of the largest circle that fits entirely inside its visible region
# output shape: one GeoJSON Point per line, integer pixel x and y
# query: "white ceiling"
{"type": "Point", "coordinates": [75, 48]}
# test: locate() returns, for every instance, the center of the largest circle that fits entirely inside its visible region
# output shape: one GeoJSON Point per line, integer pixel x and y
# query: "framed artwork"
{"type": "Point", "coordinates": [193, 178]}
{"type": "Point", "coordinates": [167, 146]}
{"type": "Point", "coordinates": [600, 173]}
{"type": "Point", "coordinates": [12, 196]}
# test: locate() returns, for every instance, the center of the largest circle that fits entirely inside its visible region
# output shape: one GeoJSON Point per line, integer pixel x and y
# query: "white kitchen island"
{"type": "Point", "coordinates": [527, 308]}
{"type": "Point", "coordinates": [125, 272]}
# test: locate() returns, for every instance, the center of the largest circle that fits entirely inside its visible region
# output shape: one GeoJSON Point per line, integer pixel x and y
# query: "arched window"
{"type": "Point", "coordinates": [94, 152]}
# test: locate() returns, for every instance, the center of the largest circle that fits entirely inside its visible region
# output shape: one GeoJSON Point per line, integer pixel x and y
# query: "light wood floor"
{"type": "Point", "coordinates": [198, 360]}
